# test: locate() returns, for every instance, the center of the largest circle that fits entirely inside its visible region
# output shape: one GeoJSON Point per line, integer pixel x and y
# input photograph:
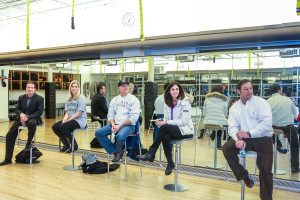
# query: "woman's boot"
{"type": "Point", "coordinates": [149, 156]}
{"type": "Point", "coordinates": [201, 133]}
{"type": "Point", "coordinates": [219, 141]}
{"type": "Point", "coordinates": [66, 144]}
{"type": "Point", "coordinates": [75, 145]}
{"type": "Point", "coordinates": [170, 166]}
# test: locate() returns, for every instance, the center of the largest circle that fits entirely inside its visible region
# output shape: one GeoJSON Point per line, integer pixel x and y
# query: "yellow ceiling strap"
{"type": "Point", "coordinates": [123, 68]}
{"type": "Point", "coordinates": [27, 30]}
{"type": "Point", "coordinates": [100, 66]}
{"type": "Point", "coordinates": [120, 72]}
{"type": "Point", "coordinates": [149, 64]}
{"type": "Point", "coordinates": [232, 67]}
{"type": "Point", "coordinates": [77, 67]}
{"type": "Point", "coordinates": [43, 69]}
{"type": "Point", "coordinates": [257, 65]}
{"type": "Point", "coordinates": [249, 59]}
{"type": "Point", "coordinates": [104, 72]}
{"type": "Point", "coordinates": [214, 58]}
{"type": "Point", "coordinates": [298, 7]}
{"type": "Point", "coordinates": [59, 71]}
{"type": "Point", "coordinates": [72, 19]}
{"type": "Point", "coordinates": [142, 37]}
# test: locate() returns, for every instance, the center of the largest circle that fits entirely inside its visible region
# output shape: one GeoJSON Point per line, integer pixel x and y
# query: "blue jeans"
{"type": "Point", "coordinates": [121, 136]}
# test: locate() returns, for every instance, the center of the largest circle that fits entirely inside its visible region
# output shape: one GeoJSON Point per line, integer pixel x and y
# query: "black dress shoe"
{"type": "Point", "coordinates": [70, 149]}
{"type": "Point", "coordinates": [28, 147]}
{"type": "Point", "coordinates": [295, 170]}
{"type": "Point", "coordinates": [5, 162]}
{"type": "Point", "coordinates": [118, 156]}
{"type": "Point", "coordinates": [169, 168]}
{"type": "Point", "coordinates": [146, 157]}
{"type": "Point", "coordinates": [248, 181]}
{"type": "Point", "coordinates": [65, 148]}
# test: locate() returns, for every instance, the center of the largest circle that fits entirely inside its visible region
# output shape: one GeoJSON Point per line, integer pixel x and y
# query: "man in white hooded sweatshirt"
{"type": "Point", "coordinates": [123, 114]}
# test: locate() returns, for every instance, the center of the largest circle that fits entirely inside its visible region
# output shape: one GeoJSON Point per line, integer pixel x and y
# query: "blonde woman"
{"type": "Point", "coordinates": [74, 118]}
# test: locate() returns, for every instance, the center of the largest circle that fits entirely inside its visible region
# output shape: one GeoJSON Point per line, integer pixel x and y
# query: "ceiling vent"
{"type": "Point", "coordinates": [287, 53]}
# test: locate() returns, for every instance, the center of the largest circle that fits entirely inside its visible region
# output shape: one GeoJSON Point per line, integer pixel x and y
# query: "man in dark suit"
{"type": "Point", "coordinates": [99, 105]}
{"type": "Point", "coordinates": [29, 109]}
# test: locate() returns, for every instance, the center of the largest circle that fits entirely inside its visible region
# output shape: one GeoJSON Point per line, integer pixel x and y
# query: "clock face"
{"type": "Point", "coordinates": [129, 20]}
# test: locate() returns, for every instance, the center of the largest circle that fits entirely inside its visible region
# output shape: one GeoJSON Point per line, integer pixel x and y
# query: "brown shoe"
{"type": "Point", "coordinates": [248, 181]}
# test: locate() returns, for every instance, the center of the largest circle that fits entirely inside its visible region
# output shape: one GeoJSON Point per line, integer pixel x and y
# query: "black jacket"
{"type": "Point", "coordinates": [99, 106]}
{"type": "Point", "coordinates": [35, 108]}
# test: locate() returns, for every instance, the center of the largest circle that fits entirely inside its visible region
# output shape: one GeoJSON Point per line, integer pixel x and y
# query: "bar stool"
{"type": "Point", "coordinates": [215, 128]}
{"type": "Point", "coordinates": [24, 128]}
{"type": "Point", "coordinates": [125, 158]}
{"type": "Point", "coordinates": [275, 170]}
{"type": "Point", "coordinates": [177, 187]}
{"type": "Point", "coordinates": [72, 167]}
{"type": "Point", "coordinates": [151, 121]}
{"type": "Point", "coordinates": [242, 161]}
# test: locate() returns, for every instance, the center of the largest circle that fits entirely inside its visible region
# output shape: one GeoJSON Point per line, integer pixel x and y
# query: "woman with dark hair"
{"type": "Point", "coordinates": [215, 111]}
{"type": "Point", "coordinates": [176, 124]}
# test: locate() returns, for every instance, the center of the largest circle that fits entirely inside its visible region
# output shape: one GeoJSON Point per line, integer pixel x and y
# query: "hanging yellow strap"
{"type": "Point", "coordinates": [298, 7]}
{"type": "Point", "coordinates": [104, 72]}
{"type": "Point", "coordinates": [27, 31]}
{"type": "Point", "coordinates": [77, 67]}
{"type": "Point", "coordinates": [120, 72]}
{"type": "Point", "coordinates": [123, 68]}
{"type": "Point", "coordinates": [188, 71]}
{"type": "Point", "coordinates": [232, 67]}
{"type": "Point", "coordinates": [59, 68]}
{"type": "Point", "coordinates": [43, 69]}
{"type": "Point", "coordinates": [149, 64]}
{"type": "Point", "coordinates": [249, 59]}
{"type": "Point", "coordinates": [142, 37]}
{"type": "Point", "coordinates": [100, 66]}
{"type": "Point", "coordinates": [72, 18]}
{"type": "Point", "coordinates": [214, 58]}
{"type": "Point", "coordinates": [257, 65]}
{"type": "Point", "coordinates": [177, 58]}
{"type": "Point", "coordinates": [283, 67]}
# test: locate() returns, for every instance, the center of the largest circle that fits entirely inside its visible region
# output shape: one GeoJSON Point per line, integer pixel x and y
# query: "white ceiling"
{"type": "Point", "coordinates": [16, 10]}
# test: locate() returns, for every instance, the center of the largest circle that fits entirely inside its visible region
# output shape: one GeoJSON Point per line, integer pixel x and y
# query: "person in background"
{"type": "Point", "coordinates": [225, 91]}
{"type": "Point", "coordinates": [29, 109]}
{"type": "Point", "coordinates": [176, 124]}
{"type": "Point", "coordinates": [123, 114]}
{"type": "Point", "coordinates": [159, 104]}
{"type": "Point", "coordinates": [284, 112]}
{"type": "Point", "coordinates": [74, 118]}
{"type": "Point", "coordinates": [131, 90]}
{"type": "Point", "coordinates": [215, 111]}
{"type": "Point", "coordinates": [231, 102]}
{"type": "Point", "coordinates": [250, 126]}
{"type": "Point", "coordinates": [99, 105]}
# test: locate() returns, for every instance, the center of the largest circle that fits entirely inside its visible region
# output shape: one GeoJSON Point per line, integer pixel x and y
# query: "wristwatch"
{"type": "Point", "coordinates": [249, 134]}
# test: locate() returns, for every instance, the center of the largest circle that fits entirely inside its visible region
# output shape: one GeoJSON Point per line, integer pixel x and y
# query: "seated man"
{"type": "Point", "coordinates": [29, 109]}
{"type": "Point", "coordinates": [284, 112]}
{"type": "Point", "coordinates": [123, 114]}
{"type": "Point", "coordinates": [250, 126]}
{"type": "Point", "coordinates": [99, 105]}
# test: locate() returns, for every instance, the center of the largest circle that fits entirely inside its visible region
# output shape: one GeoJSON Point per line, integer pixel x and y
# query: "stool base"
{"type": "Point", "coordinates": [279, 172]}
{"type": "Point", "coordinates": [33, 162]}
{"type": "Point", "coordinates": [70, 168]}
{"type": "Point", "coordinates": [218, 166]}
{"type": "Point", "coordinates": [180, 188]}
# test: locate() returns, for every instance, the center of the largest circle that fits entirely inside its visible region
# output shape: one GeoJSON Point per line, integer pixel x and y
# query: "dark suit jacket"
{"type": "Point", "coordinates": [34, 110]}
{"type": "Point", "coordinates": [98, 106]}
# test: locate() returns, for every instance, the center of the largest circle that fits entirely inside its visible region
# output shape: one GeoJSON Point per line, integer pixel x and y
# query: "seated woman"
{"type": "Point", "coordinates": [215, 110]}
{"type": "Point", "coordinates": [176, 124]}
{"type": "Point", "coordinates": [74, 118]}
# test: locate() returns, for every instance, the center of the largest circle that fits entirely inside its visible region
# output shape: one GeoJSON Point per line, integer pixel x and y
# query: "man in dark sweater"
{"type": "Point", "coordinates": [99, 104]}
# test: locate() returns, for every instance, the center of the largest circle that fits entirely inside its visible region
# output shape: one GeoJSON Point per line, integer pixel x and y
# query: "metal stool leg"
{"type": "Point", "coordinates": [215, 165]}
{"type": "Point", "coordinates": [176, 187]}
{"type": "Point", "coordinates": [275, 170]}
{"type": "Point", "coordinates": [72, 167]}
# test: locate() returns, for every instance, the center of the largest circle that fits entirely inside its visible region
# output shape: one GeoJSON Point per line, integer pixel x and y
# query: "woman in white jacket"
{"type": "Point", "coordinates": [176, 124]}
{"type": "Point", "coordinates": [215, 110]}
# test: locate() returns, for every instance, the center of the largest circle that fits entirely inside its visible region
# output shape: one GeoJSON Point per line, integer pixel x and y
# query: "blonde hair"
{"type": "Point", "coordinates": [70, 92]}
{"type": "Point", "coordinates": [131, 85]}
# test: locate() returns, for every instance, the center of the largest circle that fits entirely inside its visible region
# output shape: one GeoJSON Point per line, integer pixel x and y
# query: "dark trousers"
{"type": "Point", "coordinates": [12, 134]}
{"type": "Point", "coordinates": [65, 130]}
{"type": "Point", "coordinates": [264, 148]}
{"type": "Point", "coordinates": [293, 140]}
{"type": "Point", "coordinates": [165, 134]}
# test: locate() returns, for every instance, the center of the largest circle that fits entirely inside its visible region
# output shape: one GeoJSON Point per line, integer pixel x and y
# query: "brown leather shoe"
{"type": "Point", "coordinates": [248, 181]}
